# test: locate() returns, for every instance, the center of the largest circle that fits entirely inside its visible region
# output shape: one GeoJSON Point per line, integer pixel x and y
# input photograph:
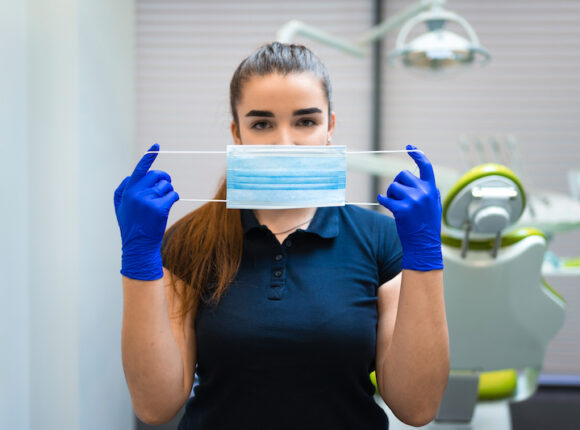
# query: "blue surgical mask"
{"type": "Point", "coordinates": [285, 176]}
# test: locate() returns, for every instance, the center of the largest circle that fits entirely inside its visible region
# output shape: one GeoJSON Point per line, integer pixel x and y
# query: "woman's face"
{"type": "Point", "coordinates": [283, 110]}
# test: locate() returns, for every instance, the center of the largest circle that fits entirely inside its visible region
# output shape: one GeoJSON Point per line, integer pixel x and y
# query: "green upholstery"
{"type": "Point", "coordinates": [496, 385]}
{"type": "Point", "coordinates": [552, 291]}
{"type": "Point", "coordinates": [487, 244]}
{"type": "Point", "coordinates": [571, 262]}
{"type": "Point", "coordinates": [373, 377]}
{"type": "Point", "coordinates": [492, 385]}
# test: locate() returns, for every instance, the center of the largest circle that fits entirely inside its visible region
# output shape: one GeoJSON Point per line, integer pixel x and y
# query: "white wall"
{"type": "Point", "coordinates": [106, 156]}
{"type": "Point", "coordinates": [70, 139]}
{"type": "Point", "coordinates": [53, 226]}
{"type": "Point", "coordinates": [14, 350]}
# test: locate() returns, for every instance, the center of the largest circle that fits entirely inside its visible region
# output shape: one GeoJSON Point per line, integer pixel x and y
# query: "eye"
{"type": "Point", "coordinates": [306, 122]}
{"type": "Point", "coordinates": [261, 125]}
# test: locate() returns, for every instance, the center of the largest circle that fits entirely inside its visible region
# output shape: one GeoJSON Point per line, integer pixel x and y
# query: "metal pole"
{"type": "Point", "coordinates": [377, 88]}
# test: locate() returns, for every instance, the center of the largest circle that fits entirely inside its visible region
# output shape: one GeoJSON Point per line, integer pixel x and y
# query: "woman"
{"type": "Point", "coordinates": [283, 313]}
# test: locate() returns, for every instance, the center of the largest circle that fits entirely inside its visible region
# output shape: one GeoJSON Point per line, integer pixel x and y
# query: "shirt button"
{"type": "Point", "coordinates": [278, 257]}
{"type": "Point", "coordinates": [288, 243]}
{"type": "Point", "coordinates": [278, 273]}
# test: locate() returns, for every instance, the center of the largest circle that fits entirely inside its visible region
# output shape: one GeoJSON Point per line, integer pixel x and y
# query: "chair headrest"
{"type": "Point", "coordinates": [487, 199]}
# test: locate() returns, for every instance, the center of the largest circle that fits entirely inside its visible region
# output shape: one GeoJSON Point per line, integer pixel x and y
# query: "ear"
{"type": "Point", "coordinates": [331, 127]}
{"type": "Point", "coordinates": [235, 133]}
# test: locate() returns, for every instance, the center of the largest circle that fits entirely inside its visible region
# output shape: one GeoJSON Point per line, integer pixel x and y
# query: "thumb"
{"type": "Point", "coordinates": [388, 203]}
{"type": "Point", "coordinates": [425, 168]}
{"type": "Point", "coordinates": [145, 163]}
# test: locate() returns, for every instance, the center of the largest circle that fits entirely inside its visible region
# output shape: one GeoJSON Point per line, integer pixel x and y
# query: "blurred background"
{"type": "Point", "coordinates": [88, 86]}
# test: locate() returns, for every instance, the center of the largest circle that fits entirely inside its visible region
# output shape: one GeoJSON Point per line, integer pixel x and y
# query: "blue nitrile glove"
{"type": "Point", "coordinates": [416, 205]}
{"type": "Point", "coordinates": [142, 204]}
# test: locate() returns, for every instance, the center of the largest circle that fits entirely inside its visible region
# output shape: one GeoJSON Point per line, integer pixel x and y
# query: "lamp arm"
{"type": "Point", "coordinates": [294, 27]}
{"type": "Point", "coordinates": [475, 45]}
{"type": "Point", "coordinates": [378, 31]}
{"type": "Point", "coordinates": [468, 28]}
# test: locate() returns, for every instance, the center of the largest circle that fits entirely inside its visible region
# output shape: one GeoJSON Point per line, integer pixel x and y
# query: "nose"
{"type": "Point", "coordinates": [285, 137]}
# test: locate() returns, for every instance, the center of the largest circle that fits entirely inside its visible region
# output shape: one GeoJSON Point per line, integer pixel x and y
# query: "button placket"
{"type": "Point", "coordinates": [278, 280]}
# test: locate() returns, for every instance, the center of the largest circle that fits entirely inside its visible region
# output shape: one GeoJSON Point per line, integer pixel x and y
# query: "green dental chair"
{"type": "Point", "coordinates": [501, 313]}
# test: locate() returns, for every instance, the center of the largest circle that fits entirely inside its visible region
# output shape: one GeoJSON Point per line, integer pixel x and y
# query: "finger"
{"type": "Point", "coordinates": [145, 163]}
{"type": "Point", "coordinates": [162, 187]}
{"type": "Point", "coordinates": [119, 191]}
{"type": "Point", "coordinates": [406, 178]}
{"type": "Point", "coordinates": [425, 168]}
{"type": "Point", "coordinates": [154, 176]}
{"type": "Point", "coordinates": [398, 191]}
{"type": "Point", "coordinates": [168, 199]}
{"type": "Point", "coordinates": [390, 204]}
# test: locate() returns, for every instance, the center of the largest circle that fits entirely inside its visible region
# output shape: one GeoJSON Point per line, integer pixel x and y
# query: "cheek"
{"type": "Point", "coordinates": [248, 138]}
{"type": "Point", "coordinates": [319, 136]}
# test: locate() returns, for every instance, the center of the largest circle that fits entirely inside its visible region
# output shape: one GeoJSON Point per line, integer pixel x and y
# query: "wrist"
{"type": "Point", "coordinates": [423, 259]}
{"type": "Point", "coordinates": [142, 266]}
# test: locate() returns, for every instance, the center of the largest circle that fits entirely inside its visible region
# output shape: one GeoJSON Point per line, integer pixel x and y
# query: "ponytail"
{"type": "Point", "coordinates": [204, 250]}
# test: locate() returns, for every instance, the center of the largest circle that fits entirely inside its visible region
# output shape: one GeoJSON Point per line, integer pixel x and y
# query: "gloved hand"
{"type": "Point", "coordinates": [416, 205]}
{"type": "Point", "coordinates": [142, 204]}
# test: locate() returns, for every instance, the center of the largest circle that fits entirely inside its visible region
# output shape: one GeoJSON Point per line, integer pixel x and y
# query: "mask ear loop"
{"type": "Point", "coordinates": [386, 151]}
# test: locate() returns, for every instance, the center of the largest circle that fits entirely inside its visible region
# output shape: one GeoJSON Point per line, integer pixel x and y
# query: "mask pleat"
{"type": "Point", "coordinates": [309, 176]}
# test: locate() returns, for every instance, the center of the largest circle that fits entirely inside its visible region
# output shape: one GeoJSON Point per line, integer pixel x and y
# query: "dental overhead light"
{"type": "Point", "coordinates": [437, 50]}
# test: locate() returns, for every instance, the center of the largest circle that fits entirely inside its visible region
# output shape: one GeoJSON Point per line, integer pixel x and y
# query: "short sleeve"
{"type": "Point", "coordinates": [390, 252]}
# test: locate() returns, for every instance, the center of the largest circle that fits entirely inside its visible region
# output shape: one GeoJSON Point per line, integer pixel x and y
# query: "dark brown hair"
{"type": "Point", "coordinates": [278, 58]}
{"type": "Point", "coordinates": [204, 248]}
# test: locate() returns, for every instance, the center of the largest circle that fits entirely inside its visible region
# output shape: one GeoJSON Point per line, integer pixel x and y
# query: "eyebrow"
{"type": "Point", "coordinates": [260, 113]}
{"type": "Point", "coordinates": [268, 114]}
{"type": "Point", "coordinates": [307, 111]}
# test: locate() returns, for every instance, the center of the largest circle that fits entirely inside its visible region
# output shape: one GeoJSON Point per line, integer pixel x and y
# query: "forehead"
{"type": "Point", "coordinates": [276, 91]}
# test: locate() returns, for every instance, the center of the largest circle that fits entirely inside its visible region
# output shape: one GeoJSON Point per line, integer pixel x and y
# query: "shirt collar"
{"type": "Point", "coordinates": [324, 223]}
{"type": "Point", "coordinates": [249, 220]}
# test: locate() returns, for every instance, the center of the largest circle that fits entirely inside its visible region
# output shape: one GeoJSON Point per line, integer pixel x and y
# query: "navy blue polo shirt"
{"type": "Point", "coordinates": [292, 342]}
